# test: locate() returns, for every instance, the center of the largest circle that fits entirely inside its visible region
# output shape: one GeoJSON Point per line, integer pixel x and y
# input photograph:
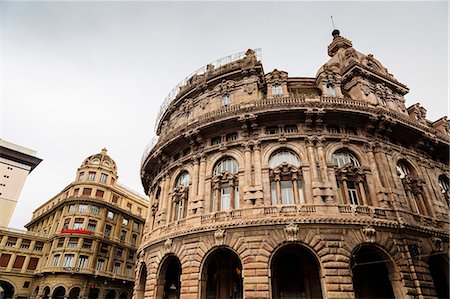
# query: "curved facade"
{"type": "Point", "coordinates": [81, 243]}
{"type": "Point", "coordinates": [266, 186]}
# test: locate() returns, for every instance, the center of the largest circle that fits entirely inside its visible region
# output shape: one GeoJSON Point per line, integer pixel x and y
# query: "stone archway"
{"type": "Point", "coordinates": [59, 293]}
{"type": "Point", "coordinates": [222, 275]}
{"type": "Point", "coordinates": [295, 273]}
{"type": "Point", "coordinates": [124, 295]}
{"type": "Point", "coordinates": [46, 293]}
{"type": "Point", "coordinates": [74, 293]}
{"type": "Point", "coordinates": [140, 286]}
{"type": "Point", "coordinates": [93, 293]}
{"type": "Point", "coordinates": [110, 294]}
{"type": "Point", "coordinates": [168, 285]}
{"type": "Point", "coordinates": [6, 290]}
{"type": "Point", "coordinates": [439, 270]}
{"type": "Point", "coordinates": [373, 273]}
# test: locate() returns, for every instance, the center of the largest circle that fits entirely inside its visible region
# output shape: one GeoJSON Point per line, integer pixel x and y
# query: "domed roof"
{"type": "Point", "coordinates": [100, 159]}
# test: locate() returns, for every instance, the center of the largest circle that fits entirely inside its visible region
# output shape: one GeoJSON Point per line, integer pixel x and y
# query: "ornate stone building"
{"type": "Point", "coordinates": [263, 185]}
{"type": "Point", "coordinates": [81, 243]}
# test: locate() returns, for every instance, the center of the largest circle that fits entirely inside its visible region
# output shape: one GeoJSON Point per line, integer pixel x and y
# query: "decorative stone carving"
{"type": "Point", "coordinates": [168, 244]}
{"type": "Point", "coordinates": [437, 244]}
{"type": "Point", "coordinates": [291, 232]}
{"type": "Point", "coordinates": [154, 208]}
{"type": "Point", "coordinates": [369, 233]}
{"type": "Point", "coordinates": [219, 236]}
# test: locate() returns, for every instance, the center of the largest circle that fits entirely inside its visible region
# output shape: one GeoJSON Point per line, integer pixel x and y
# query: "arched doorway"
{"type": "Point", "coordinates": [74, 293]}
{"type": "Point", "coordinates": [123, 296]}
{"type": "Point", "coordinates": [439, 268]}
{"type": "Point", "coordinates": [295, 273]}
{"type": "Point", "coordinates": [168, 284]}
{"type": "Point", "coordinates": [140, 287]}
{"type": "Point", "coordinates": [110, 294]}
{"type": "Point", "coordinates": [36, 292]}
{"type": "Point", "coordinates": [222, 275]}
{"type": "Point", "coordinates": [46, 292]}
{"type": "Point", "coordinates": [93, 293]}
{"type": "Point", "coordinates": [372, 272]}
{"type": "Point", "coordinates": [59, 293]}
{"type": "Point", "coordinates": [6, 290]}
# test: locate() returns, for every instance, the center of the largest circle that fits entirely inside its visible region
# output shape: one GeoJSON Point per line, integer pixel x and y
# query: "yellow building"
{"type": "Point", "coordinates": [87, 236]}
{"type": "Point", "coordinates": [263, 185]}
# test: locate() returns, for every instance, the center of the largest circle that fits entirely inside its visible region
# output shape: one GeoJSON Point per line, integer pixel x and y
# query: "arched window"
{"type": "Point", "coordinates": [285, 178]}
{"type": "Point", "coordinates": [225, 193]}
{"type": "Point", "coordinates": [350, 179]}
{"type": "Point", "coordinates": [445, 187]}
{"type": "Point", "coordinates": [413, 188]}
{"type": "Point", "coordinates": [180, 196]}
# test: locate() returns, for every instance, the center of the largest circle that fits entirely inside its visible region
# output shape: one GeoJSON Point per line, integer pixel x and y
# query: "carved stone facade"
{"type": "Point", "coordinates": [324, 187]}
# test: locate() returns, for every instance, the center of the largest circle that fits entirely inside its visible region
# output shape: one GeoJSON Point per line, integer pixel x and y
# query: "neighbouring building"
{"type": "Point", "coordinates": [16, 162]}
{"type": "Point", "coordinates": [79, 244]}
{"type": "Point", "coordinates": [263, 185]}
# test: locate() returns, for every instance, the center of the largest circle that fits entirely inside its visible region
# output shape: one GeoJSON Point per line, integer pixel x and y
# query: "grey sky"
{"type": "Point", "coordinates": [80, 76]}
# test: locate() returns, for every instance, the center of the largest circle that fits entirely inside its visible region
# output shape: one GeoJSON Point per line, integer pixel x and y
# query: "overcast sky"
{"type": "Point", "coordinates": [80, 76]}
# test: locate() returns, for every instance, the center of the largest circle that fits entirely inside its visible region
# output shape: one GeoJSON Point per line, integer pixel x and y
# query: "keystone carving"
{"type": "Point", "coordinates": [437, 244]}
{"type": "Point", "coordinates": [369, 233]}
{"type": "Point", "coordinates": [219, 236]}
{"type": "Point", "coordinates": [291, 232]}
{"type": "Point", "coordinates": [168, 244]}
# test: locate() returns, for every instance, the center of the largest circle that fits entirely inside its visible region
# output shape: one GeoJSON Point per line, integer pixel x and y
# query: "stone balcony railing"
{"type": "Point", "coordinates": [331, 214]}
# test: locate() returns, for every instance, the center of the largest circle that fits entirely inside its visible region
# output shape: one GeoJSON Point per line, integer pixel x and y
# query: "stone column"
{"type": "Point", "coordinates": [295, 190]}
{"type": "Point", "coordinates": [257, 163]}
{"type": "Point", "coordinates": [248, 165]}
{"type": "Point", "coordinates": [278, 186]}
{"type": "Point", "coordinates": [202, 176]}
{"type": "Point", "coordinates": [375, 194]}
{"type": "Point", "coordinates": [363, 193]}
{"type": "Point", "coordinates": [322, 160]}
{"type": "Point", "coordinates": [195, 174]}
{"type": "Point", "coordinates": [311, 157]}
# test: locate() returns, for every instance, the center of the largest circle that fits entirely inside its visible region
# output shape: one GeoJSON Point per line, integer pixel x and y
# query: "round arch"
{"type": "Point", "coordinates": [46, 292]}
{"type": "Point", "coordinates": [168, 282]}
{"type": "Point", "coordinates": [295, 272]}
{"type": "Point", "coordinates": [331, 149]}
{"type": "Point", "coordinates": [110, 294]}
{"type": "Point", "coordinates": [374, 273]}
{"type": "Point", "coordinates": [232, 153]}
{"type": "Point", "coordinates": [272, 148]}
{"type": "Point", "coordinates": [142, 281]}
{"type": "Point", "coordinates": [221, 274]}
{"type": "Point", "coordinates": [59, 293]}
{"type": "Point", "coordinates": [185, 168]}
{"type": "Point", "coordinates": [123, 295]}
{"type": "Point", "coordinates": [7, 289]}
{"type": "Point", "coordinates": [410, 163]}
{"type": "Point", "coordinates": [438, 264]}
{"type": "Point", "coordinates": [74, 292]}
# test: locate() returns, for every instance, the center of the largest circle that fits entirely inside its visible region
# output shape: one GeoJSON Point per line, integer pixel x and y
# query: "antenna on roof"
{"type": "Point", "coordinates": [332, 22]}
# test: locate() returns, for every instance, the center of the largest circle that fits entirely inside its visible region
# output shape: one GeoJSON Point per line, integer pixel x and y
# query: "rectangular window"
{"type": "Point", "coordinates": [103, 178]}
{"type": "Point", "coordinates": [26, 285]}
{"type": "Point", "coordinates": [287, 194]}
{"type": "Point", "coordinates": [80, 177]}
{"type": "Point", "coordinates": [11, 242]}
{"type": "Point", "coordinates": [135, 226]}
{"type": "Point", "coordinates": [76, 191]}
{"type": "Point", "coordinates": [68, 259]}
{"type": "Point", "coordinates": [4, 259]}
{"type": "Point", "coordinates": [352, 192]}
{"type": "Point", "coordinates": [92, 225]}
{"type": "Point", "coordinates": [110, 215]}
{"type": "Point", "coordinates": [82, 208]}
{"type": "Point", "coordinates": [129, 271]}
{"type": "Point", "coordinates": [18, 263]}
{"type": "Point", "coordinates": [216, 140]}
{"type": "Point", "coordinates": [91, 176]}
{"type": "Point", "coordinates": [60, 243]}
{"type": "Point", "coordinates": [134, 239]}
{"type": "Point", "coordinates": [71, 209]}
{"type": "Point", "coordinates": [225, 100]}
{"type": "Point", "coordinates": [55, 260]}
{"type": "Point", "coordinates": [123, 235]}
{"type": "Point", "coordinates": [290, 129]}
{"type": "Point", "coordinates": [225, 199]}
{"type": "Point", "coordinates": [277, 90]}
{"type": "Point", "coordinates": [87, 191]}
{"type": "Point", "coordinates": [82, 261]}
{"type": "Point", "coordinates": [301, 197]}
{"type": "Point", "coordinates": [25, 244]}
{"type": "Point", "coordinates": [95, 210]}
{"type": "Point", "coordinates": [78, 224]}
{"type": "Point", "coordinates": [73, 242]}
{"type": "Point", "coordinates": [100, 265]}
{"type": "Point", "coordinates": [99, 193]}
{"type": "Point", "coordinates": [108, 229]}
{"type": "Point", "coordinates": [38, 246]}
{"type": "Point", "coordinates": [32, 265]}
{"type": "Point", "coordinates": [87, 244]}
{"type": "Point", "coordinates": [232, 137]}
{"type": "Point", "coordinates": [129, 206]}
{"type": "Point", "coordinates": [116, 268]}
{"type": "Point", "coordinates": [333, 130]}
{"type": "Point", "coordinates": [331, 90]}
{"type": "Point", "coordinates": [114, 199]}
{"type": "Point", "coordinates": [130, 255]}
{"type": "Point", "coordinates": [119, 252]}
{"type": "Point", "coordinates": [350, 131]}
{"type": "Point", "coordinates": [125, 221]}
{"type": "Point", "coordinates": [272, 130]}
